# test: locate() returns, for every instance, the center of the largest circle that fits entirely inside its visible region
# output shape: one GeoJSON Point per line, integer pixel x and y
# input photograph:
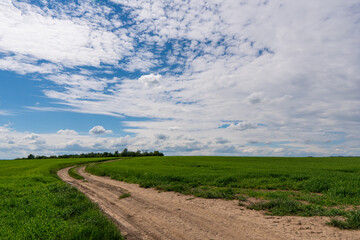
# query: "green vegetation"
{"type": "Point", "coordinates": [124, 195]}
{"type": "Point", "coordinates": [287, 186]}
{"type": "Point", "coordinates": [353, 221]}
{"type": "Point", "coordinates": [124, 153]}
{"type": "Point", "coordinates": [36, 204]}
{"type": "Point", "coordinates": [73, 173]}
{"type": "Point", "coordinates": [285, 206]}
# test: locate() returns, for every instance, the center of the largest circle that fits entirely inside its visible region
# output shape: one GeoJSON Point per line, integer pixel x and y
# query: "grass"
{"type": "Point", "coordinates": [36, 204]}
{"type": "Point", "coordinates": [287, 206]}
{"type": "Point", "coordinates": [125, 195]}
{"type": "Point", "coordinates": [286, 186]}
{"type": "Point", "coordinates": [352, 221]}
{"type": "Point", "coordinates": [73, 173]}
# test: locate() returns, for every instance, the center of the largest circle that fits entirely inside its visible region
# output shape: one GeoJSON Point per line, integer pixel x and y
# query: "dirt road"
{"type": "Point", "coordinates": [150, 214]}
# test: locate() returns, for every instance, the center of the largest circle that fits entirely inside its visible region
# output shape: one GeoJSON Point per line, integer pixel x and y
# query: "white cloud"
{"type": "Point", "coordinates": [23, 65]}
{"type": "Point", "coordinates": [81, 82]}
{"type": "Point", "coordinates": [291, 66]}
{"type": "Point", "coordinates": [242, 126]}
{"type": "Point", "coordinates": [255, 98]}
{"type": "Point", "coordinates": [27, 30]}
{"type": "Point", "coordinates": [32, 136]}
{"type": "Point", "coordinates": [14, 144]}
{"type": "Point", "coordinates": [4, 113]}
{"type": "Point", "coordinates": [97, 130]}
{"type": "Point", "coordinates": [150, 80]}
{"type": "Point", "coordinates": [161, 137]}
{"type": "Point", "coordinates": [220, 140]}
{"type": "Point", "coordinates": [67, 132]}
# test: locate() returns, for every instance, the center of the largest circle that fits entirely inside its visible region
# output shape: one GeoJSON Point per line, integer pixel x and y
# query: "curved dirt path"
{"type": "Point", "coordinates": [150, 214]}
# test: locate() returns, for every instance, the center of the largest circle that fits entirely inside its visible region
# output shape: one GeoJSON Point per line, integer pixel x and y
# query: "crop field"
{"type": "Point", "coordinates": [36, 204]}
{"type": "Point", "coordinates": [284, 186]}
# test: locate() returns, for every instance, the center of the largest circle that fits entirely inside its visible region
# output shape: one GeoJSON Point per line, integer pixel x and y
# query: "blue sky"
{"type": "Point", "coordinates": [219, 77]}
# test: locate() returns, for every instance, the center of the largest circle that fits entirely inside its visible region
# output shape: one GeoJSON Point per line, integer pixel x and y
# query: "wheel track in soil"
{"type": "Point", "coordinates": [150, 214]}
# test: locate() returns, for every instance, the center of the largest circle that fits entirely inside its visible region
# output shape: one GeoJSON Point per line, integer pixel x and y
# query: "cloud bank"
{"type": "Point", "coordinates": [211, 77]}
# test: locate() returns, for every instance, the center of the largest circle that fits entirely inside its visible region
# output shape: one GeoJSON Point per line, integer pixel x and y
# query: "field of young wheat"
{"type": "Point", "coordinates": [36, 204]}
{"type": "Point", "coordinates": [310, 186]}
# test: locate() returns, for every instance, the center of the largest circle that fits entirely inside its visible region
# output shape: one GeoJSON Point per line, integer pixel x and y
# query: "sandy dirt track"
{"type": "Point", "coordinates": [150, 214]}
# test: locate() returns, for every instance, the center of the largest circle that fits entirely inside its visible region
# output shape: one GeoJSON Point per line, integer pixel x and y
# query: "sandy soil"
{"type": "Point", "coordinates": [150, 214]}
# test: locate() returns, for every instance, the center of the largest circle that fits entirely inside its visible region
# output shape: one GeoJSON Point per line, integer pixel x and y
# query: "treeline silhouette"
{"type": "Point", "coordinates": [124, 153]}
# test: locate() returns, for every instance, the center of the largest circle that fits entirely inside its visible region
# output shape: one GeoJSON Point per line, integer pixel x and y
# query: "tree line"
{"type": "Point", "coordinates": [124, 153]}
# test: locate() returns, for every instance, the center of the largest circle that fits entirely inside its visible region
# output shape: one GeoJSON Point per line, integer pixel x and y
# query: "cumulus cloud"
{"type": "Point", "coordinates": [98, 130]}
{"type": "Point", "coordinates": [32, 136]}
{"type": "Point", "coordinates": [15, 144]}
{"type": "Point", "coordinates": [150, 80]}
{"type": "Point", "coordinates": [255, 98]}
{"type": "Point", "coordinates": [242, 126]}
{"type": "Point", "coordinates": [161, 137]}
{"type": "Point", "coordinates": [67, 132]}
{"type": "Point", "coordinates": [220, 140]}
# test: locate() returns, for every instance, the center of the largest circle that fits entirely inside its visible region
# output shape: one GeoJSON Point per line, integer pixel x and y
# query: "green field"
{"type": "Point", "coordinates": [36, 204]}
{"type": "Point", "coordinates": [288, 186]}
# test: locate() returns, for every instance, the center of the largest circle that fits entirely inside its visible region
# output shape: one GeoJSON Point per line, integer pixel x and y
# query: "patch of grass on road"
{"type": "Point", "coordinates": [285, 185]}
{"type": "Point", "coordinates": [36, 204]}
{"type": "Point", "coordinates": [286, 206]}
{"type": "Point", "coordinates": [73, 173]}
{"type": "Point", "coordinates": [124, 195]}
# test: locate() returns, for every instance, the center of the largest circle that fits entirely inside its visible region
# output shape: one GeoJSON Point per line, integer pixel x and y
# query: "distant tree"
{"type": "Point", "coordinates": [124, 153]}
{"type": "Point", "coordinates": [157, 153]}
